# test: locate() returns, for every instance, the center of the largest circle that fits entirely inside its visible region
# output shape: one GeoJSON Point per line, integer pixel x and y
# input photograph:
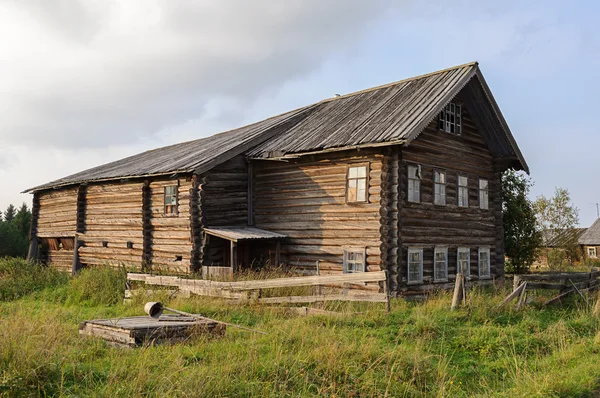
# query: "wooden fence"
{"type": "Point", "coordinates": [252, 290]}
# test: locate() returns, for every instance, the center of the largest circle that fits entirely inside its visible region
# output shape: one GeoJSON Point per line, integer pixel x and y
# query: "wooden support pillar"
{"type": "Point", "coordinates": [76, 267]}
{"type": "Point", "coordinates": [195, 226]}
{"type": "Point", "coordinates": [33, 253]}
{"type": "Point", "coordinates": [80, 228]}
{"type": "Point", "coordinates": [250, 194]}
{"type": "Point", "coordinates": [233, 256]}
{"type": "Point", "coordinates": [278, 253]}
{"type": "Point", "coordinates": [147, 226]}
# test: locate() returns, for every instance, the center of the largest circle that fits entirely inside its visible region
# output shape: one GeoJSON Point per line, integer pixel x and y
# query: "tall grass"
{"type": "Point", "coordinates": [419, 349]}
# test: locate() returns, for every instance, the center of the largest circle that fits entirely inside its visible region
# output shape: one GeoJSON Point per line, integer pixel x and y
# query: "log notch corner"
{"type": "Point", "coordinates": [33, 253]}
{"type": "Point", "coordinates": [196, 225]}
{"type": "Point", "coordinates": [389, 216]}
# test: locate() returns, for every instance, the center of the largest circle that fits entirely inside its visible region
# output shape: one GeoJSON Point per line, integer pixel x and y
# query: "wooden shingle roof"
{"type": "Point", "coordinates": [391, 114]}
{"type": "Point", "coordinates": [591, 237]}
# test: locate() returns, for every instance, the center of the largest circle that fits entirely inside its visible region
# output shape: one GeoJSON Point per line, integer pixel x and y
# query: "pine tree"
{"type": "Point", "coordinates": [22, 220]}
{"type": "Point", "coordinates": [10, 213]}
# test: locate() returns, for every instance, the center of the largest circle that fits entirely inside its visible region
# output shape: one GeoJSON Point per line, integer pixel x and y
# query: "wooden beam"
{"type": "Point", "coordinates": [250, 193]}
{"type": "Point", "coordinates": [147, 225]}
{"type": "Point", "coordinates": [233, 256]}
{"type": "Point", "coordinates": [278, 253]}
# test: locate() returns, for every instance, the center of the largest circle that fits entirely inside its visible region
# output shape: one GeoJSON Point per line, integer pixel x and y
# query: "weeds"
{"type": "Point", "coordinates": [419, 349]}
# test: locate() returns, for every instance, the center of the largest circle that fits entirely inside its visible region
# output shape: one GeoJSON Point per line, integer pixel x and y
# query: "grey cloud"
{"type": "Point", "coordinates": [141, 69]}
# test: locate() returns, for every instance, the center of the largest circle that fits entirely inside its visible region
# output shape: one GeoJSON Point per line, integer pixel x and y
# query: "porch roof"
{"type": "Point", "coordinates": [236, 234]}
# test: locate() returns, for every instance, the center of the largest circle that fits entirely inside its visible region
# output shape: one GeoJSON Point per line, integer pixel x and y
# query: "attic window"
{"type": "Point", "coordinates": [171, 200]}
{"type": "Point", "coordinates": [450, 119]}
{"type": "Point", "coordinates": [414, 183]}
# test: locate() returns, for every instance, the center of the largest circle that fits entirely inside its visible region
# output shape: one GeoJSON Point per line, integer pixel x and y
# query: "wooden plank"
{"type": "Point", "coordinates": [375, 298]}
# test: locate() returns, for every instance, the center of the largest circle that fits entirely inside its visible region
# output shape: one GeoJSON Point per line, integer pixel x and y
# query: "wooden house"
{"type": "Point", "coordinates": [590, 241]}
{"type": "Point", "coordinates": [403, 177]}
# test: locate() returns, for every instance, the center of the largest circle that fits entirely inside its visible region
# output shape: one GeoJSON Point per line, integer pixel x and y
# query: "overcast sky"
{"type": "Point", "coordinates": [84, 82]}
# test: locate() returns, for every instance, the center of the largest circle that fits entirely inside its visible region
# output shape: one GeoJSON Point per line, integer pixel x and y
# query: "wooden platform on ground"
{"type": "Point", "coordinates": [140, 330]}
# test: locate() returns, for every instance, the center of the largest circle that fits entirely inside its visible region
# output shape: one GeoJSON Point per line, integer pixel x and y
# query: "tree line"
{"type": "Point", "coordinates": [14, 231]}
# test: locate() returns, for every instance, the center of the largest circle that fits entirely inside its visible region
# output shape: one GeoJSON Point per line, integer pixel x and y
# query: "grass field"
{"type": "Point", "coordinates": [419, 349]}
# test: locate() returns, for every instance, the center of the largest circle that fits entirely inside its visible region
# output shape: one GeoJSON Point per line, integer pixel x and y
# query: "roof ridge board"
{"type": "Point", "coordinates": [408, 122]}
{"type": "Point", "coordinates": [359, 126]}
{"type": "Point", "coordinates": [402, 81]}
{"type": "Point", "coordinates": [388, 94]}
{"type": "Point", "coordinates": [458, 84]}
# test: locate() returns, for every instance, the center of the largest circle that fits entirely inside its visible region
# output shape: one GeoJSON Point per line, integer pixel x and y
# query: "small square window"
{"type": "Point", "coordinates": [356, 188]}
{"type": "Point", "coordinates": [440, 258]}
{"type": "Point", "coordinates": [104, 244]}
{"type": "Point", "coordinates": [463, 191]}
{"type": "Point", "coordinates": [171, 200]}
{"type": "Point", "coordinates": [130, 245]}
{"type": "Point", "coordinates": [439, 187]}
{"type": "Point", "coordinates": [354, 260]}
{"type": "Point", "coordinates": [415, 265]}
{"type": "Point", "coordinates": [484, 194]}
{"type": "Point", "coordinates": [450, 119]}
{"type": "Point", "coordinates": [484, 262]}
{"type": "Point", "coordinates": [463, 262]}
{"type": "Point", "coordinates": [592, 252]}
{"type": "Point", "coordinates": [414, 183]}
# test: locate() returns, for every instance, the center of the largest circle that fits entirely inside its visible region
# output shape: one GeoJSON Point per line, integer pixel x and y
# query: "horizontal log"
{"type": "Point", "coordinates": [373, 297]}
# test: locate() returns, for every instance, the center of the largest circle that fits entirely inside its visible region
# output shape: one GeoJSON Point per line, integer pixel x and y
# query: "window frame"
{"type": "Point", "coordinates": [444, 185]}
{"type": "Point", "coordinates": [410, 251]}
{"type": "Point", "coordinates": [484, 249]}
{"type": "Point", "coordinates": [480, 191]}
{"type": "Point", "coordinates": [355, 250]}
{"type": "Point", "coordinates": [419, 178]}
{"type": "Point", "coordinates": [436, 250]}
{"type": "Point", "coordinates": [458, 190]}
{"type": "Point", "coordinates": [452, 110]}
{"type": "Point", "coordinates": [589, 251]}
{"type": "Point", "coordinates": [468, 251]}
{"type": "Point", "coordinates": [176, 205]}
{"type": "Point", "coordinates": [366, 178]}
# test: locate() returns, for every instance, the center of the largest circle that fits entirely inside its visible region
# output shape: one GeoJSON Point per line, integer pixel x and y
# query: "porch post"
{"type": "Point", "coordinates": [233, 256]}
{"type": "Point", "coordinates": [278, 253]}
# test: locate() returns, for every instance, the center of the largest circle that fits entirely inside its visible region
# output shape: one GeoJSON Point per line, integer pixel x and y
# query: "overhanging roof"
{"type": "Point", "coordinates": [591, 237]}
{"type": "Point", "coordinates": [391, 114]}
{"type": "Point", "coordinates": [236, 234]}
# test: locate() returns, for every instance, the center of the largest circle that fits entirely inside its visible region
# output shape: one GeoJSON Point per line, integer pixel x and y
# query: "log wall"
{"type": "Point", "coordinates": [57, 213]}
{"type": "Point", "coordinates": [425, 225]}
{"type": "Point", "coordinates": [306, 200]}
{"type": "Point", "coordinates": [113, 217]}
{"type": "Point", "coordinates": [171, 233]}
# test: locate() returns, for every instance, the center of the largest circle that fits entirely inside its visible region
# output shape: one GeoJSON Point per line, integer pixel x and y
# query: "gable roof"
{"type": "Point", "coordinates": [394, 113]}
{"type": "Point", "coordinates": [560, 238]}
{"type": "Point", "coordinates": [591, 237]}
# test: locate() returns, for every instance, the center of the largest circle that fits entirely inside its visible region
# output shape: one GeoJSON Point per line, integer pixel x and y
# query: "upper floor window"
{"type": "Point", "coordinates": [440, 265]}
{"type": "Point", "coordinates": [439, 187]}
{"type": "Point", "coordinates": [484, 262]}
{"type": "Point", "coordinates": [450, 119]}
{"type": "Point", "coordinates": [356, 190]}
{"type": "Point", "coordinates": [415, 265]}
{"type": "Point", "coordinates": [592, 252]}
{"type": "Point", "coordinates": [463, 191]}
{"type": "Point", "coordinates": [414, 183]}
{"type": "Point", "coordinates": [463, 265]}
{"type": "Point", "coordinates": [354, 261]}
{"type": "Point", "coordinates": [171, 200]}
{"type": "Point", "coordinates": [484, 194]}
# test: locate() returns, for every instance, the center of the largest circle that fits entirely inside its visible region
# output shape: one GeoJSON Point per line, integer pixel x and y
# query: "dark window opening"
{"type": "Point", "coordinates": [178, 258]}
{"type": "Point", "coordinates": [130, 245]}
{"type": "Point", "coordinates": [104, 244]}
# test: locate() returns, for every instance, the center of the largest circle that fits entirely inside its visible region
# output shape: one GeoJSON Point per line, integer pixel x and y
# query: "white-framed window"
{"type": "Point", "coordinates": [415, 265]}
{"type": "Point", "coordinates": [414, 183]}
{"type": "Point", "coordinates": [484, 262]}
{"type": "Point", "coordinates": [440, 263]}
{"type": "Point", "coordinates": [592, 252]}
{"type": "Point", "coordinates": [356, 188]}
{"type": "Point", "coordinates": [354, 260]}
{"type": "Point", "coordinates": [450, 119]}
{"type": "Point", "coordinates": [484, 194]}
{"type": "Point", "coordinates": [171, 200]}
{"type": "Point", "coordinates": [463, 261]}
{"type": "Point", "coordinates": [439, 187]}
{"type": "Point", "coordinates": [463, 191]}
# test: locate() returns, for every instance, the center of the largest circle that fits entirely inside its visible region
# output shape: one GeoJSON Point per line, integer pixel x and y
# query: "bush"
{"type": "Point", "coordinates": [19, 278]}
{"type": "Point", "coordinates": [97, 286]}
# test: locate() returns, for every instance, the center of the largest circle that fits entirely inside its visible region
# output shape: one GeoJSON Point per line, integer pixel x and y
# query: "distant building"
{"type": "Point", "coordinates": [590, 240]}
